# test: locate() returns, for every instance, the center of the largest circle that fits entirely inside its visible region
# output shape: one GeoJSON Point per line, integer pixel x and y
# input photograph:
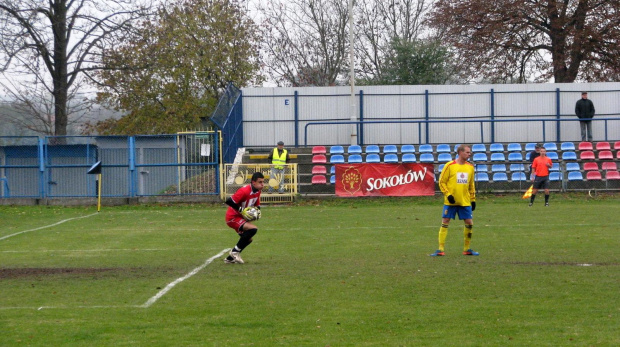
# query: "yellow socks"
{"type": "Point", "coordinates": [467, 230]}
{"type": "Point", "coordinates": [443, 233]}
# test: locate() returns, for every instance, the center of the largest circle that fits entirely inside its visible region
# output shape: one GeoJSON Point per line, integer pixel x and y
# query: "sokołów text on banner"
{"type": "Point", "coordinates": [406, 179]}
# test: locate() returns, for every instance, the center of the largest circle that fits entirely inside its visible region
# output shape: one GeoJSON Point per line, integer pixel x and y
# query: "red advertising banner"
{"type": "Point", "coordinates": [406, 179]}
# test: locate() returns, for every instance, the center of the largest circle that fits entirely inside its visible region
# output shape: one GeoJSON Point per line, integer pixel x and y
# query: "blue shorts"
{"type": "Point", "coordinates": [464, 212]}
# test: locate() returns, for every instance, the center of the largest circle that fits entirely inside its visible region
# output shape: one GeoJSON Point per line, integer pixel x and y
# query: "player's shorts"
{"type": "Point", "coordinates": [541, 182]}
{"type": "Point", "coordinates": [236, 223]}
{"type": "Point", "coordinates": [464, 212]}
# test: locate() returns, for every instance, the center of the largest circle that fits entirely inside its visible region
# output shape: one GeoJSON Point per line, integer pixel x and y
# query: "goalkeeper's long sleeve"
{"type": "Point", "coordinates": [230, 202]}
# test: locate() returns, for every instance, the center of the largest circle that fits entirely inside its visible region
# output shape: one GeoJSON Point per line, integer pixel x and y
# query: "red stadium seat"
{"type": "Point", "coordinates": [605, 155]}
{"type": "Point", "coordinates": [319, 170]}
{"type": "Point", "coordinates": [585, 146]}
{"type": "Point", "coordinates": [319, 150]}
{"type": "Point", "coordinates": [590, 166]}
{"type": "Point", "coordinates": [319, 159]}
{"type": "Point", "coordinates": [586, 155]}
{"type": "Point", "coordinates": [603, 146]}
{"type": "Point", "coordinates": [612, 175]}
{"type": "Point", "coordinates": [319, 179]}
{"type": "Point", "coordinates": [617, 145]}
{"type": "Point", "coordinates": [594, 176]}
{"type": "Point", "coordinates": [610, 166]}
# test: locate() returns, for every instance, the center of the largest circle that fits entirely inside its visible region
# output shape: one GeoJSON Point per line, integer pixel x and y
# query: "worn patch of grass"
{"type": "Point", "coordinates": [338, 272]}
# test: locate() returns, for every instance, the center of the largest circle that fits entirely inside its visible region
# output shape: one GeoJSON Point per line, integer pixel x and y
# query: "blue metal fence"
{"type": "Point", "coordinates": [228, 117]}
{"type": "Point", "coordinates": [483, 137]}
{"type": "Point", "coordinates": [50, 167]}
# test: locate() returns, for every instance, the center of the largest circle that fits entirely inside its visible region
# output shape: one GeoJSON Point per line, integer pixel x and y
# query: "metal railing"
{"type": "Point", "coordinates": [420, 123]}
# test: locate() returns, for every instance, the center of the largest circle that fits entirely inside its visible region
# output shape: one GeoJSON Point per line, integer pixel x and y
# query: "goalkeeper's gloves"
{"type": "Point", "coordinates": [473, 205]}
{"type": "Point", "coordinates": [245, 215]}
{"type": "Point", "coordinates": [451, 199]}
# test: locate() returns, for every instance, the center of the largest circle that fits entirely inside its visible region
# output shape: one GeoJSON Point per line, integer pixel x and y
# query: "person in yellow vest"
{"type": "Point", "coordinates": [278, 158]}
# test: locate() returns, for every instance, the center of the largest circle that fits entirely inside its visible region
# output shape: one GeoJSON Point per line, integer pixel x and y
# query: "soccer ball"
{"type": "Point", "coordinates": [253, 213]}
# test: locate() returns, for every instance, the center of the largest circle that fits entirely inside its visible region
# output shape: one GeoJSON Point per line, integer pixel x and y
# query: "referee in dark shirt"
{"type": "Point", "coordinates": [534, 154]}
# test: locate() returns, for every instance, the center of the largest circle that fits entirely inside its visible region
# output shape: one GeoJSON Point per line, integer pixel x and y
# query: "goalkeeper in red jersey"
{"type": "Point", "coordinates": [456, 182]}
{"type": "Point", "coordinates": [238, 219]}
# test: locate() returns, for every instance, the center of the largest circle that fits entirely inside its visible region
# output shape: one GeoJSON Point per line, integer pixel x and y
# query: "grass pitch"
{"type": "Point", "coordinates": [319, 273]}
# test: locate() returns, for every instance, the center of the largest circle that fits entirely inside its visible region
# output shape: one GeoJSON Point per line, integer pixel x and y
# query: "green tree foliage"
{"type": "Point", "coordinates": [172, 74]}
{"type": "Point", "coordinates": [414, 62]}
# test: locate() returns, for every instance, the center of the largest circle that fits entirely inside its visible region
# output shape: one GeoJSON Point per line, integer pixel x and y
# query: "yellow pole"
{"type": "Point", "coordinates": [99, 195]}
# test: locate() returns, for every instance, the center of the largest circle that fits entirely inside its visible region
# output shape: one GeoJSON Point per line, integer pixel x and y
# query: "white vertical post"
{"type": "Point", "coordinates": [352, 76]}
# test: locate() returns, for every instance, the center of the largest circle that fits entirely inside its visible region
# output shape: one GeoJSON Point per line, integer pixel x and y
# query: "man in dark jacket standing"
{"type": "Point", "coordinates": [584, 109]}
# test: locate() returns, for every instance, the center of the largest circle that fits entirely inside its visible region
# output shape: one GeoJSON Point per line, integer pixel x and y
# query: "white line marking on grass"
{"type": "Point", "coordinates": [171, 285]}
{"type": "Point", "coordinates": [104, 250]}
{"type": "Point", "coordinates": [67, 307]}
{"type": "Point", "coordinates": [46, 226]}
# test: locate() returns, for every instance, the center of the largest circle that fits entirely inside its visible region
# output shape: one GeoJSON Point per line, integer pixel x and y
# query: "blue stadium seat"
{"type": "Point", "coordinates": [498, 168]}
{"type": "Point", "coordinates": [456, 147]}
{"type": "Point", "coordinates": [514, 147]}
{"type": "Point", "coordinates": [426, 157]}
{"type": "Point", "coordinates": [517, 167]}
{"type": "Point", "coordinates": [500, 177]}
{"type": "Point", "coordinates": [530, 146]}
{"type": "Point", "coordinates": [355, 158]}
{"type": "Point", "coordinates": [550, 146]}
{"type": "Point", "coordinates": [479, 147]}
{"type": "Point", "coordinates": [390, 149]}
{"type": "Point", "coordinates": [426, 149]}
{"type": "Point", "coordinates": [354, 149]}
{"type": "Point", "coordinates": [498, 157]}
{"type": "Point", "coordinates": [496, 147]}
{"type": "Point", "coordinates": [572, 167]}
{"type": "Point", "coordinates": [567, 146]}
{"type": "Point", "coordinates": [440, 167]}
{"type": "Point", "coordinates": [555, 167]}
{"type": "Point", "coordinates": [443, 157]}
{"type": "Point", "coordinates": [481, 167]}
{"type": "Point", "coordinates": [569, 156]}
{"type": "Point", "coordinates": [373, 158]}
{"type": "Point", "coordinates": [443, 148]}
{"type": "Point", "coordinates": [336, 150]}
{"type": "Point", "coordinates": [481, 177]}
{"type": "Point", "coordinates": [515, 156]}
{"type": "Point", "coordinates": [575, 176]}
{"type": "Point", "coordinates": [480, 157]}
{"type": "Point", "coordinates": [527, 156]}
{"type": "Point", "coordinates": [407, 149]}
{"type": "Point", "coordinates": [555, 176]}
{"type": "Point", "coordinates": [336, 158]}
{"type": "Point", "coordinates": [391, 158]}
{"type": "Point", "coordinates": [553, 155]}
{"type": "Point", "coordinates": [332, 179]}
{"type": "Point", "coordinates": [518, 176]}
{"type": "Point", "coordinates": [409, 158]}
{"type": "Point", "coordinates": [372, 149]}
{"type": "Point", "coordinates": [333, 170]}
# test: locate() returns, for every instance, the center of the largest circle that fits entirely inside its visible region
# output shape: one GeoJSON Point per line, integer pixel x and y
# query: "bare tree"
{"type": "Point", "coordinates": [30, 106]}
{"type": "Point", "coordinates": [379, 23]}
{"type": "Point", "coordinates": [55, 43]}
{"type": "Point", "coordinates": [508, 40]}
{"type": "Point", "coordinates": [305, 41]}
